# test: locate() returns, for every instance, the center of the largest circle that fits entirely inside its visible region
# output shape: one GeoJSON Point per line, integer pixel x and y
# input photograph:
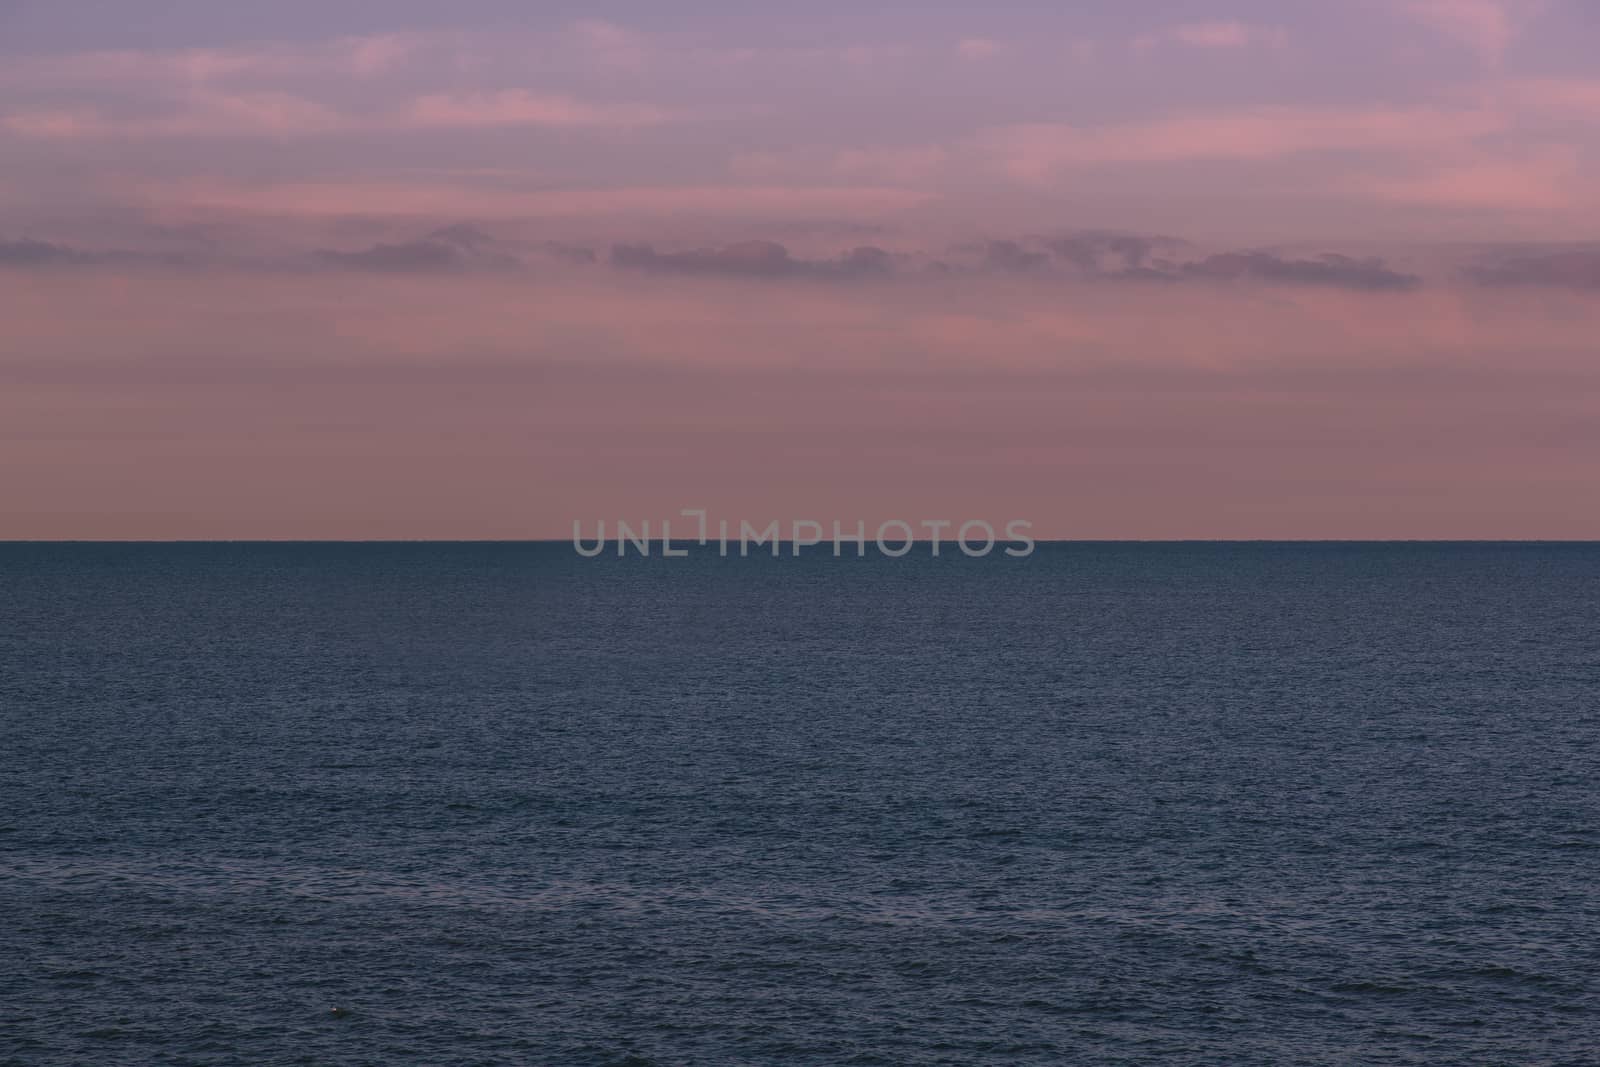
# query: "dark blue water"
{"type": "Point", "coordinates": [482, 804]}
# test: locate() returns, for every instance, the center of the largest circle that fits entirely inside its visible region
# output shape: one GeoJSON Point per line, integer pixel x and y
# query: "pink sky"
{"type": "Point", "coordinates": [1201, 270]}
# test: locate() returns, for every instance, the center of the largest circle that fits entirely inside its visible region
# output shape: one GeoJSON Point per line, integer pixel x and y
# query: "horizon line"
{"type": "Point", "coordinates": [692, 542]}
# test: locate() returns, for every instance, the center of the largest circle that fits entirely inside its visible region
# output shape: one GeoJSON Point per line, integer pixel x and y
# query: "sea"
{"type": "Point", "coordinates": [498, 803]}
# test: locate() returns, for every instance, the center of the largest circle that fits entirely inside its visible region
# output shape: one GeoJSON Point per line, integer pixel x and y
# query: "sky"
{"type": "Point", "coordinates": [1206, 269]}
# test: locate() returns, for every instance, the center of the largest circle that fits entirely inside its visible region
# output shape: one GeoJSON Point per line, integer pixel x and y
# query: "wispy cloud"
{"type": "Point", "coordinates": [1020, 126]}
{"type": "Point", "coordinates": [612, 45]}
{"type": "Point", "coordinates": [978, 48]}
{"type": "Point", "coordinates": [351, 57]}
{"type": "Point", "coordinates": [1035, 152]}
{"type": "Point", "coordinates": [752, 259]}
{"type": "Point", "coordinates": [1092, 256]}
{"type": "Point", "coordinates": [220, 114]}
{"type": "Point", "coordinates": [519, 107]}
{"type": "Point", "coordinates": [1569, 269]}
{"type": "Point", "coordinates": [27, 253]}
{"type": "Point", "coordinates": [451, 248]}
{"type": "Point", "coordinates": [357, 198]}
{"type": "Point", "coordinates": [1229, 35]}
{"type": "Point", "coordinates": [1559, 97]}
{"type": "Point", "coordinates": [376, 82]}
{"type": "Point", "coordinates": [200, 114]}
{"type": "Point", "coordinates": [1487, 27]}
{"type": "Point", "coordinates": [894, 165]}
{"type": "Point", "coordinates": [1331, 269]}
{"type": "Point", "coordinates": [1549, 180]}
